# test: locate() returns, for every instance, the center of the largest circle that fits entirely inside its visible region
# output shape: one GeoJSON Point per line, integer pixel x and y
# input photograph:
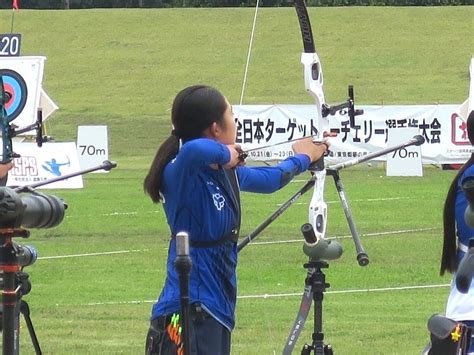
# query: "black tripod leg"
{"type": "Point", "coordinates": [319, 287]}
{"type": "Point", "coordinates": [10, 336]}
{"type": "Point", "coordinates": [25, 310]}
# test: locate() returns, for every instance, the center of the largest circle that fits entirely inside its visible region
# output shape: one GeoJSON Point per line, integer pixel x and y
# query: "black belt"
{"type": "Point", "coordinates": [196, 312]}
{"type": "Point", "coordinates": [231, 237]}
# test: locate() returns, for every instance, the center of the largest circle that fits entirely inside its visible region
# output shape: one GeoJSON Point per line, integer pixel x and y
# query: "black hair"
{"type": "Point", "coordinates": [195, 108]}
{"type": "Point", "coordinates": [448, 258]}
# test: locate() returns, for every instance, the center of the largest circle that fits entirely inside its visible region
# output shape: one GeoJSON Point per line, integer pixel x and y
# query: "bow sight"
{"type": "Point", "coordinates": [21, 208]}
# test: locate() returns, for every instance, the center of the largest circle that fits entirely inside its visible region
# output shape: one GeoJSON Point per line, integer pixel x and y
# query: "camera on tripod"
{"type": "Point", "coordinates": [19, 211]}
{"type": "Point", "coordinates": [21, 208]}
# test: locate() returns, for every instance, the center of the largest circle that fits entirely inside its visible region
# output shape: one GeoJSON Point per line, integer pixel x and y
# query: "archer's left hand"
{"type": "Point", "coordinates": [4, 168]}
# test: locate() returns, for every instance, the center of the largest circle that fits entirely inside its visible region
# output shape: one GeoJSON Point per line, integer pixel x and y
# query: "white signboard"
{"type": "Point", "coordinates": [92, 146]}
{"type": "Point", "coordinates": [52, 160]}
{"type": "Point", "coordinates": [442, 127]}
{"type": "Point", "coordinates": [405, 161]}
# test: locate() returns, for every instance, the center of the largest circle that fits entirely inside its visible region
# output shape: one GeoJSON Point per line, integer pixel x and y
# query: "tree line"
{"type": "Point", "coordinates": [87, 4]}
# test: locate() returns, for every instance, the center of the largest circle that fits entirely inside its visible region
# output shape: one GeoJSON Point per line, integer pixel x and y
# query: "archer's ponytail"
{"type": "Point", "coordinates": [153, 181]}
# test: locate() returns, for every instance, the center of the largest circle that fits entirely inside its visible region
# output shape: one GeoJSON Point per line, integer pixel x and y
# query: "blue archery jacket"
{"type": "Point", "coordinates": [200, 201]}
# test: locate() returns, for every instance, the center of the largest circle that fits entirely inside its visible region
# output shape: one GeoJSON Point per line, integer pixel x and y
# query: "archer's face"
{"type": "Point", "coordinates": [228, 128]}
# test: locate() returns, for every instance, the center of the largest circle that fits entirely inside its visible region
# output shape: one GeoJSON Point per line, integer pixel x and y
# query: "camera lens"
{"type": "Point", "coordinates": [42, 211]}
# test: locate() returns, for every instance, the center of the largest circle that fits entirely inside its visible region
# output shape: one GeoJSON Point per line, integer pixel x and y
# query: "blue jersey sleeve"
{"type": "Point", "coordinates": [200, 152]}
{"type": "Point", "coordinates": [270, 179]}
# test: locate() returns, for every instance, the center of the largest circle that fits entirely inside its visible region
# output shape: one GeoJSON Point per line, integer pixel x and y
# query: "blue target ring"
{"type": "Point", "coordinates": [15, 85]}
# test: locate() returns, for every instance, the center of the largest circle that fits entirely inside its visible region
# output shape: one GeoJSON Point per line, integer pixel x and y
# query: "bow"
{"type": "Point", "coordinates": [9, 130]}
{"type": "Point", "coordinates": [313, 81]}
{"type": "Point", "coordinates": [313, 78]}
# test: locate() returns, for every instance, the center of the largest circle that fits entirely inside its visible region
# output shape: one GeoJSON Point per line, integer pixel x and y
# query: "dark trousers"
{"type": "Point", "coordinates": [207, 336]}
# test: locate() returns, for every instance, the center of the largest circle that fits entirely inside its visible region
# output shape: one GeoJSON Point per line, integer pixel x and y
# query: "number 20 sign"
{"type": "Point", "coordinates": [10, 45]}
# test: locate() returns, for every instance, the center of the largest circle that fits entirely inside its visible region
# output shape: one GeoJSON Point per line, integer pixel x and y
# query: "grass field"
{"type": "Point", "coordinates": [101, 269]}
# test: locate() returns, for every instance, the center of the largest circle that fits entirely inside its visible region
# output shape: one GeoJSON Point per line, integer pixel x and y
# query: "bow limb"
{"type": "Point", "coordinates": [313, 81]}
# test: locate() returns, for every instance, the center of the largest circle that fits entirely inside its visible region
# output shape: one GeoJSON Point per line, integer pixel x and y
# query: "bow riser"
{"type": "Point", "coordinates": [317, 212]}
{"type": "Point", "coordinates": [313, 81]}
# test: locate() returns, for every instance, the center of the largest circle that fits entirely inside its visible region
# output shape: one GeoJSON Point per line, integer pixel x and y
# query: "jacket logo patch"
{"type": "Point", "coordinates": [219, 201]}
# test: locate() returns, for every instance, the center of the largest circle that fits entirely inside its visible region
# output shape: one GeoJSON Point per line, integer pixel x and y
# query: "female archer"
{"type": "Point", "coordinates": [197, 174]}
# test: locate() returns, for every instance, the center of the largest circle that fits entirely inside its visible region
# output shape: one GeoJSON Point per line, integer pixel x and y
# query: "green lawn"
{"type": "Point", "coordinates": [122, 68]}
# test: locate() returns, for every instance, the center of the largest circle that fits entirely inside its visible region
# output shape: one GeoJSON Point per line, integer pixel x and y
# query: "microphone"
{"type": "Point", "coordinates": [183, 266]}
{"type": "Point", "coordinates": [182, 243]}
{"type": "Point", "coordinates": [466, 270]}
{"type": "Point", "coordinates": [319, 248]}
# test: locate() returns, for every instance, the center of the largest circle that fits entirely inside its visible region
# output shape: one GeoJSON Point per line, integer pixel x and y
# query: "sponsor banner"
{"type": "Point", "coordinates": [52, 160]}
{"type": "Point", "coordinates": [444, 130]}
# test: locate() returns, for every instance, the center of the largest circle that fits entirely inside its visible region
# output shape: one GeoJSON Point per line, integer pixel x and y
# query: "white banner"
{"type": "Point", "coordinates": [52, 160]}
{"type": "Point", "coordinates": [444, 130]}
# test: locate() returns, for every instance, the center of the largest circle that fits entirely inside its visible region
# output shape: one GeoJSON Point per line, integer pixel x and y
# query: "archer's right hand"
{"type": "Point", "coordinates": [235, 156]}
{"type": "Point", "coordinates": [313, 150]}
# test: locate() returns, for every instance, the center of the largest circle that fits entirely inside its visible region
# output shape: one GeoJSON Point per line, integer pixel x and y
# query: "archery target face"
{"type": "Point", "coordinates": [15, 85]}
{"type": "Point", "coordinates": [22, 78]}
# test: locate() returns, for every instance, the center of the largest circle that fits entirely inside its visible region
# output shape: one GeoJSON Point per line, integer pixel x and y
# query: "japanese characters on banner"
{"type": "Point", "coordinates": [52, 160]}
{"type": "Point", "coordinates": [442, 127]}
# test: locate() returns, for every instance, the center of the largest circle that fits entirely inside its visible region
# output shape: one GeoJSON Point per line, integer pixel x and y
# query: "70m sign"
{"type": "Point", "coordinates": [92, 145]}
{"type": "Point", "coordinates": [91, 150]}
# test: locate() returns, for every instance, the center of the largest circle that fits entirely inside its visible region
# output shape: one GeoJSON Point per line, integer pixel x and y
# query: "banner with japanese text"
{"type": "Point", "coordinates": [444, 130]}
